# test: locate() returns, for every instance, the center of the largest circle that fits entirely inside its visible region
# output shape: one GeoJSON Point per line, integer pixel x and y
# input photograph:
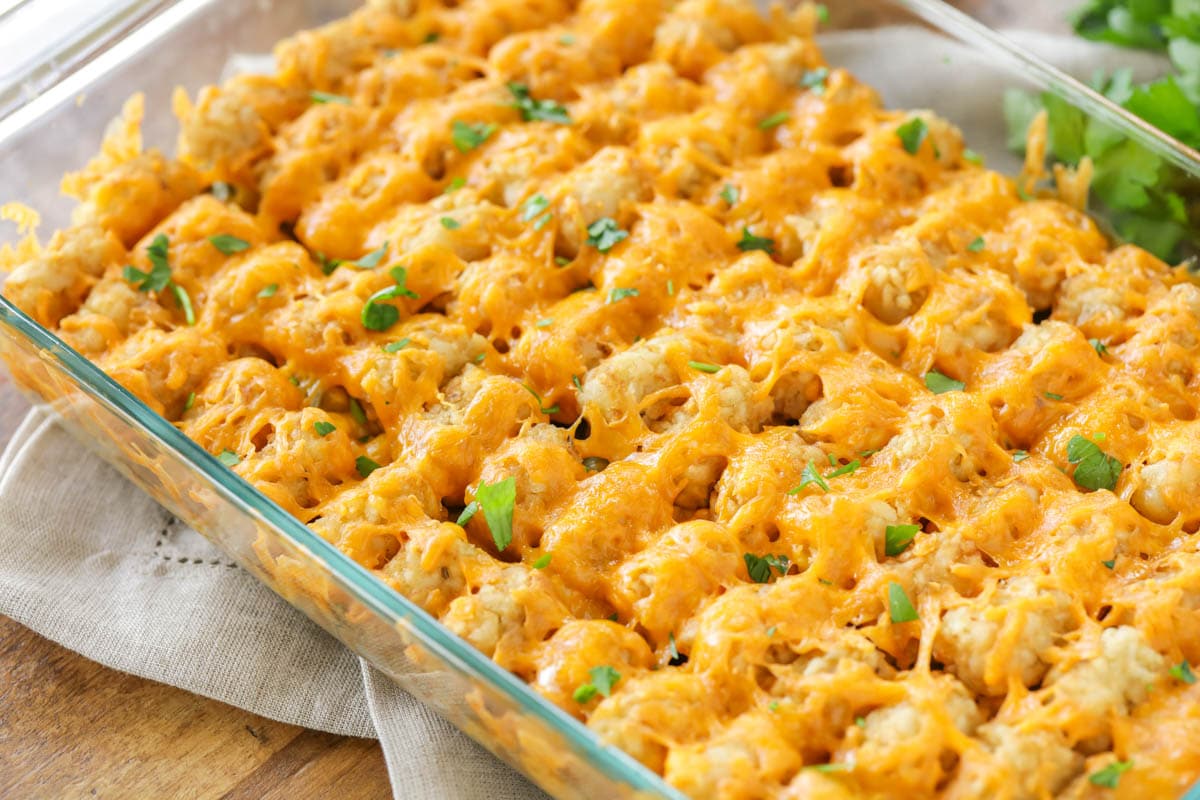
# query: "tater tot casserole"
{"type": "Point", "coordinates": [761, 428]}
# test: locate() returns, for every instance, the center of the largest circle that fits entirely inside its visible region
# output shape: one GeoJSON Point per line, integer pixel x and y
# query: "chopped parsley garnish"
{"type": "Point", "coordinates": [467, 137]}
{"type": "Point", "coordinates": [323, 428]}
{"type": "Point", "coordinates": [1052, 395]}
{"type": "Point", "coordinates": [730, 194]}
{"type": "Point", "coordinates": [810, 476]}
{"type": "Point", "coordinates": [759, 567]}
{"type": "Point", "coordinates": [471, 510]}
{"type": "Point", "coordinates": [774, 120]}
{"type": "Point", "coordinates": [1110, 564]}
{"type": "Point", "coordinates": [371, 260]}
{"type": "Point", "coordinates": [1019, 456]}
{"type": "Point", "coordinates": [497, 501]}
{"type": "Point", "coordinates": [543, 561]}
{"type": "Point", "coordinates": [532, 109]}
{"type": "Point", "coordinates": [431, 37]}
{"type": "Point", "coordinates": [229, 458]}
{"type": "Point", "coordinates": [541, 403]}
{"type": "Point", "coordinates": [822, 12]}
{"type": "Point", "coordinates": [450, 223]}
{"type": "Point", "coordinates": [773, 705]}
{"type": "Point", "coordinates": [604, 234]}
{"type": "Point", "coordinates": [365, 466]}
{"type": "Point", "coordinates": [620, 294]}
{"type": "Point", "coordinates": [750, 242]}
{"type": "Point", "coordinates": [1110, 776]}
{"type": "Point", "coordinates": [578, 383]}
{"type": "Point", "coordinates": [900, 607]}
{"type": "Point", "coordinates": [269, 290]}
{"type": "Point", "coordinates": [604, 678]}
{"type": "Point", "coordinates": [396, 347]}
{"type": "Point", "coordinates": [897, 538]}
{"type": "Point", "coordinates": [546, 322]}
{"type": "Point", "coordinates": [378, 315]}
{"type": "Point", "coordinates": [456, 183]}
{"type": "Point", "coordinates": [228, 244]}
{"type": "Point", "coordinates": [191, 401]}
{"type": "Point", "coordinates": [676, 658]}
{"type": "Point", "coordinates": [357, 414]}
{"type": "Point", "coordinates": [977, 245]}
{"type": "Point", "coordinates": [912, 134]}
{"type": "Point", "coordinates": [534, 206]}
{"type": "Point", "coordinates": [702, 366]}
{"type": "Point", "coordinates": [1094, 469]}
{"type": "Point", "coordinates": [860, 722]}
{"type": "Point", "coordinates": [845, 469]}
{"type": "Point", "coordinates": [972, 157]}
{"type": "Point", "coordinates": [826, 768]}
{"type": "Point", "coordinates": [562, 261]}
{"type": "Point", "coordinates": [938, 383]}
{"type": "Point", "coordinates": [1183, 672]}
{"type": "Point", "coordinates": [814, 79]}
{"type": "Point", "coordinates": [1100, 347]}
{"type": "Point", "coordinates": [159, 277]}
{"type": "Point", "coordinates": [328, 97]}
{"type": "Point", "coordinates": [771, 631]}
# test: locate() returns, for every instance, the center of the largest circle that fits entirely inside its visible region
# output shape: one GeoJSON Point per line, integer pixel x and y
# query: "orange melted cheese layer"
{"type": "Point", "coordinates": [791, 271]}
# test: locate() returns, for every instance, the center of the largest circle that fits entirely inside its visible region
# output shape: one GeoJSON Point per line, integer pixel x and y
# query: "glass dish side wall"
{"type": "Point", "coordinates": [189, 45]}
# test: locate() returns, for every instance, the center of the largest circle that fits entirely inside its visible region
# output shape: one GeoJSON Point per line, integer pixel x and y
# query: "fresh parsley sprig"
{"type": "Point", "coordinates": [159, 277]}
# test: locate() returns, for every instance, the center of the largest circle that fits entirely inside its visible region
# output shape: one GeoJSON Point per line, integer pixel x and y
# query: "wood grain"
{"type": "Point", "coordinates": [70, 728]}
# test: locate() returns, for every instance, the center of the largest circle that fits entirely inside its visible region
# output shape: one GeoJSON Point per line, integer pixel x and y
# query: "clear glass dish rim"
{"type": "Point", "coordinates": [347, 574]}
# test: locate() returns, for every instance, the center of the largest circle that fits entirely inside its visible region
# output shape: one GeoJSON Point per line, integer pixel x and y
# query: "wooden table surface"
{"type": "Point", "coordinates": [72, 728]}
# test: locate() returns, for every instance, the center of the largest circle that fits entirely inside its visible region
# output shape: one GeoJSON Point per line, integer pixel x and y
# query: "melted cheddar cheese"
{"type": "Point", "coordinates": [688, 288]}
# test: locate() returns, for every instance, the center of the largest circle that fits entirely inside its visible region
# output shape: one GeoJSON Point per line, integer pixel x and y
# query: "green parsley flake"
{"type": "Point", "coordinates": [1183, 672]}
{"type": "Point", "coordinates": [450, 223]}
{"type": "Point", "coordinates": [365, 466]}
{"type": "Point", "coordinates": [1019, 456]}
{"type": "Point", "coordinates": [702, 366]}
{"type": "Point", "coordinates": [771, 631]}
{"type": "Point", "coordinates": [730, 194]}
{"type": "Point", "coordinates": [191, 401]}
{"type": "Point", "coordinates": [357, 414]}
{"type": "Point", "coordinates": [328, 97]}
{"type": "Point", "coordinates": [1094, 469]}
{"type": "Point", "coordinates": [620, 294]}
{"type": "Point", "coordinates": [471, 510]}
{"type": "Point", "coordinates": [371, 260]}
{"type": "Point", "coordinates": [670, 288]}
{"type": "Point", "coordinates": [229, 458]}
{"type": "Point", "coordinates": [759, 567]}
{"type": "Point", "coordinates": [604, 234]}
{"type": "Point", "coordinates": [1100, 347]}
{"type": "Point", "coordinates": [269, 290]}
{"type": "Point", "coordinates": [860, 722]}
{"type": "Point", "coordinates": [544, 323]}
{"type": "Point", "coordinates": [378, 315]}
{"type": "Point", "coordinates": [912, 134]}
{"type": "Point", "coordinates": [497, 501]}
{"type": "Point", "coordinates": [1052, 395]}
{"type": "Point", "coordinates": [827, 768]}
{"type": "Point", "coordinates": [814, 80]}
{"type": "Point", "coordinates": [547, 411]}
{"type": "Point", "coordinates": [534, 206]}
{"type": "Point", "coordinates": [673, 650]}
{"type": "Point", "coordinates": [562, 261]}
{"type": "Point", "coordinates": [899, 606]}
{"type": "Point", "coordinates": [1110, 564]}
{"type": "Point", "coordinates": [938, 383]}
{"type": "Point", "coordinates": [845, 469]}
{"type": "Point", "coordinates": [977, 245]}
{"type": "Point", "coordinates": [466, 137]}
{"type": "Point", "coordinates": [543, 561]}
{"type": "Point", "coordinates": [1110, 776]}
{"type": "Point", "coordinates": [750, 242]}
{"type": "Point", "coordinates": [897, 538]}
{"type": "Point", "coordinates": [773, 705]}
{"type": "Point", "coordinates": [822, 12]}
{"type": "Point", "coordinates": [532, 109]}
{"type": "Point", "coordinates": [972, 157]}
{"type": "Point", "coordinates": [185, 303]}
{"type": "Point", "coordinates": [774, 120]}
{"type": "Point", "coordinates": [323, 428]}
{"type": "Point", "coordinates": [455, 184]}
{"type": "Point", "coordinates": [227, 244]}
{"type": "Point", "coordinates": [159, 276]}
{"type": "Point", "coordinates": [396, 347]}
{"type": "Point", "coordinates": [810, 476]}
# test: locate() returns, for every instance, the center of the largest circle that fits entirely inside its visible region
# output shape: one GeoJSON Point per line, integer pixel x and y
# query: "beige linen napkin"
{"type": "Point", "coordinates": [91, 563]}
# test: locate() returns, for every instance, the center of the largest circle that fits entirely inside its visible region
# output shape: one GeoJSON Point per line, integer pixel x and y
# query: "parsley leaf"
{"type": "Point", "coordinates": [845, 469]}
{"type": "Point", "coordinates": [977, 245]}
{"type": "Point", "coordinates": [774, 120]}
{"type": "Point", "coordinates": [676, 658]}
{"type": "Point", "coordinates": [450, 223]}
{"type": "Point", "coordinates": [378, 316]}
{"type": "Point", "coordinates": [541, 403]}
{"type": "Point", "coordinates": [702, 366]}
{"type": "Point", "coordinates": [1100, 347]}
{"type": "Point", "coordinates": [897, 538]}
{"type": "Point", "coordinates": [814, 79]}
{"type": "Point", "coordinates": [900, 608]}
{"type": "Point", "coordinates": [396, 347]}
{"type": "Point", "coordinates": [228, 244]}
{"type": "Point", "coordinates": [1019, 456]}
{"type": "Point", "coordinates": [604, 234]}
{"type": "Point", "coordinates": [810, 476]}
{"type": "Point", "coordinates": [324, 428]}
{"type": "Point", "coordinates": [159, 277]}
{"type": "Point", "coordinates": [365, 466]}
{"type": "Point", "coordinates": [604, 678]}
{"type": "Point", "coordinates": [938, 383]}
{"type": "Point", "coordinates": [1094, 469]}
{"type": "Point", "coordinates": [191, 401]}
{"type": "Point", "coordinates": [1110, 776]}
{"type": "Point", "coordinates": [750, 242]}
{"type": "Point", "coordinates": [1183, 672]}
{"type": "Point", "coordinates": [371, 260]}
{"type": "Point", "coordinates": [466, 137]}
{"type": "Point", "coordinates": [497, 501]}
{"type": "Point", "coordinates": [455, 184]}
{"type": "Point", "coordinates": [185, 302]}
{"type": "Point", "coordinates": [269, 290]}
{"type": "Point", "coordinates": [532, 109]}
{"type": "Point", "coordinates": [730, 194]}
{"type": "Point", "coordinates": [328, 97]}
{"type": "Point", "coordinates": [542, 561]}
{"type": "Point", "coordinates": [620, 294]}
{"type": "Point", "coordinates": [534, 206]}
{"type": "Point", "coordinates": [912, 134]}
{"type": "Point", "coordinates": [229, 458]}
{"type": "Point", "coordinates": [470, 511]}
{"type": "Point", "coordinates": [759, 567]}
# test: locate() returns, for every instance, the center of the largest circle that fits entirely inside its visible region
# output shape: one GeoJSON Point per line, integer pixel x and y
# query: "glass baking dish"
{"type": "Point", "coordinates": [53, 105]}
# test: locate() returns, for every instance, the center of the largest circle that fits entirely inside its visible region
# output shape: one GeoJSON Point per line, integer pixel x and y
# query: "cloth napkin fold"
{"type": "Point", "coordinates": [90, 562]}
